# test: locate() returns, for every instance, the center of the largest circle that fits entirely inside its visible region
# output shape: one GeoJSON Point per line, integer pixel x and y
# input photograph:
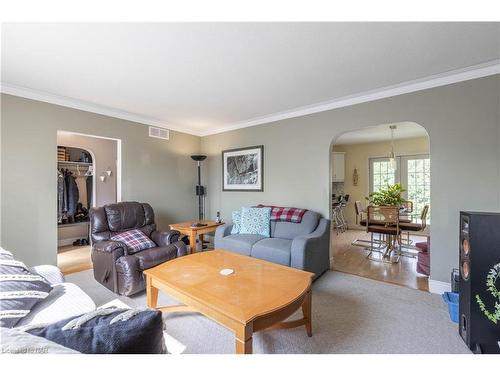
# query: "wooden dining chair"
{"type": "Point", "coordinates": [384, 221]}
{"type": "Point", "coordinates": [359, 213]}
{"type": "Point", "coordinates": [407, 228]}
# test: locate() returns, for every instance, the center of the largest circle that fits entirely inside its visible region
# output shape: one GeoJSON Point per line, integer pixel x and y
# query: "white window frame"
{"type": "Point", "coordinates": [401, 175]}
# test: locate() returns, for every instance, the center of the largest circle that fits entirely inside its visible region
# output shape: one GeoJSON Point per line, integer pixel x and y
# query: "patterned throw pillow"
{"type": "Point", "coordinates": [20, 290]}
{"type": "Point", "coordinates": [106, 331]}
{"type": "Point", "coordinates": [135, 240]}
{"type": "Point", "coordinates": [256, 221]}
{"type": "Point", "coordinates": [236, 222]}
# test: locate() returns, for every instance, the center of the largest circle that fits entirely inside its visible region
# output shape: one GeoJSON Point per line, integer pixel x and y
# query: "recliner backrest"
{"type": "Point", "coordinates": [115, 218]}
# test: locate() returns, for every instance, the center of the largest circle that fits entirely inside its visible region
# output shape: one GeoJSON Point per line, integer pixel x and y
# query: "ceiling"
{"type": "Point", "coordinates": [204, 78]}
{"type": "Point", "coordinates": [382, 133]}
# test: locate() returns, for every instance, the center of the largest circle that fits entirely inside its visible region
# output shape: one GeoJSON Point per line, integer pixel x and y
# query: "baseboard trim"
{"type": "Point", "coordinates": [439, 287]}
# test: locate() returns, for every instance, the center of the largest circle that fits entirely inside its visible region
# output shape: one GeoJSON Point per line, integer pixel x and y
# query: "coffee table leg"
{"type": "Point", "coordinates": [151, 293]}
{"type": "Point", "coordinates": [306, 310]}
{"type": "Point", "coordinates": [244, 339]}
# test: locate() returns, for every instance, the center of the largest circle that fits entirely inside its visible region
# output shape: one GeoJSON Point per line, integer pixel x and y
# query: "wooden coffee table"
{"type": "Point", "coordinates": [258, 295]}
{"type": "Point", "coordinates": [193, 232]}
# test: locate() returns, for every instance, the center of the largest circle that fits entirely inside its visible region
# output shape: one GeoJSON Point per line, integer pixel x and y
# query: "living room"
{"type": "Point", "coordinates": [208, 226]}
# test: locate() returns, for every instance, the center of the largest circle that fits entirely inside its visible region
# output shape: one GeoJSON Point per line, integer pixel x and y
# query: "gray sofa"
{"type": "Point", "coordinates": [304, 245]}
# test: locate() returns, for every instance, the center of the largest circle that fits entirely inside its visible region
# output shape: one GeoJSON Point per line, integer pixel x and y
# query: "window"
{"type": "Point", "coordinates": [381, 174]}
{"type": "Point", "coordinates": [414, 174]}
{"type": "Point", "coordinates": [417, 181]}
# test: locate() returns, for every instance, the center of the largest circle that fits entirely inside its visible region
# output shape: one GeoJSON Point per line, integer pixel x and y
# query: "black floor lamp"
{"type": "Point", "coordinates": [200, 190]}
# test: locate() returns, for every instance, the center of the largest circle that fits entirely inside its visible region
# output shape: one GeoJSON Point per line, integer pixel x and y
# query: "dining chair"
{"type": "Point", "coordinates": [384, 221]}
{"type": "Point", "coordinates": [407, 228]}
{"type": "Point", "coordinates": [358, 207]}
{"type": "Point", "coordinates": [361, 220]}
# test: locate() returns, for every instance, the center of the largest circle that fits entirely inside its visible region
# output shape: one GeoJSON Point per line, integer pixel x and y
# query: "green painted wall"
{"type": "Point", "coordinates": [155, 171]}
{"type": "Point", "coordinates": [463, 124]}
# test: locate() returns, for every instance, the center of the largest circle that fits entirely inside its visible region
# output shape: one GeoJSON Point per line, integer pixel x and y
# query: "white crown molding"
{"type": "Point", "coordinates": [439, 287]}
{"type": "Point", "coordinates": [447, 78]}
{"type": "Point", "coordinates": [82, 105]}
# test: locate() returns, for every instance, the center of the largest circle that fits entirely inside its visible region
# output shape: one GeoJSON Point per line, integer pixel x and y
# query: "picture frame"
{"type": "Point", "coordinates": [243, 169]}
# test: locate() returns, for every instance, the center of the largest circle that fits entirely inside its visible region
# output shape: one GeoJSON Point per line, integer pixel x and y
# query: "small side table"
{"type": "Point", "coordinates": [193, 232]}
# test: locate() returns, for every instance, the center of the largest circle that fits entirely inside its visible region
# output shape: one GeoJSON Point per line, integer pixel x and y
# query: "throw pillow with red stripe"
{"type": "Point", "coordinates": [290, 214]}
{"type": "Point", "coordinates": [135, 240]}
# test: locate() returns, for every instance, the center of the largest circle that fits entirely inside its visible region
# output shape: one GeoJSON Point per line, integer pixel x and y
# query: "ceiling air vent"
{"type": "Point", "coordinates": [158, 133]}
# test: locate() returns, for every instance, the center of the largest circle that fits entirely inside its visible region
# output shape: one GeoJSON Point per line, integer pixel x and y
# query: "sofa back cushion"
{"type": "Point", "coordinates": [289, 230]}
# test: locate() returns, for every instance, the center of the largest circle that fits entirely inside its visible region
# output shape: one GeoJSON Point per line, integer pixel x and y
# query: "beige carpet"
{"type": "Point", "coordinates": [350, 315]}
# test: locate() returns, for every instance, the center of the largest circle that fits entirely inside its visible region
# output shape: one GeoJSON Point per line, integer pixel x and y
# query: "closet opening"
{"type": "Point", "coordinates": [88, 171]}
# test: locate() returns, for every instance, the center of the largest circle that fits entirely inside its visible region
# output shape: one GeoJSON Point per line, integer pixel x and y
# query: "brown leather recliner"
{"type": "Point", "coordinates": [117, 267]}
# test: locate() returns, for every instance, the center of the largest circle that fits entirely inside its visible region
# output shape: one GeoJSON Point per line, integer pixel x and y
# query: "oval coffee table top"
{"type": "Point", "coordinates": [255, 288]}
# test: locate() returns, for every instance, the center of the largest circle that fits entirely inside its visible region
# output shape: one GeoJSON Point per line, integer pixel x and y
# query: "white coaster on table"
{"type": "Point", "coordinates": [226, 271]}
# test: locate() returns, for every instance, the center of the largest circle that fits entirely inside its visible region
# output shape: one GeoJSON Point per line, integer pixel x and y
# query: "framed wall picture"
{"type": "Point", "coordinates": [243, 169]}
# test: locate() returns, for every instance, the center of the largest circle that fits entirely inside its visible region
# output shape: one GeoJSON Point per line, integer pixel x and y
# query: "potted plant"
{"type": "Point", "coordinates": [388, 197]}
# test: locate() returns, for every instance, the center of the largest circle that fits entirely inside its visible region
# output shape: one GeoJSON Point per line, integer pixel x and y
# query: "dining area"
{"type": "Point", "coordinates": [389, 240]}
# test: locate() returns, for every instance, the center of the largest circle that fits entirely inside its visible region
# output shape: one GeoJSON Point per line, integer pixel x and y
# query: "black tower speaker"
{"type": "Point", "coordinates": [479, 252]}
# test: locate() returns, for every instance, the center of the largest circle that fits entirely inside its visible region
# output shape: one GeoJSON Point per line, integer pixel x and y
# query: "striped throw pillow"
{"type": "Point", "coordinates": [20, 290]}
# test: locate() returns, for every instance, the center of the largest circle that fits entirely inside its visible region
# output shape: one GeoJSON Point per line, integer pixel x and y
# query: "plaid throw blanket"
{"type": "Point", "coordinates": [291, 214]}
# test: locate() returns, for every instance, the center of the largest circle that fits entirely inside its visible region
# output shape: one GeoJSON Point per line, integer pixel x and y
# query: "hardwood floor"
{"type": "Point", "coordinates": [352, 259]}
{"type": "Point", "coordinates": [72, 259]}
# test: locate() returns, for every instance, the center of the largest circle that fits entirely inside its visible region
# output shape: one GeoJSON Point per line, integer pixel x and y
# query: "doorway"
{"type": "Point", "coordinates": [88, 175]}
{"type": "Point", "coordinates": [368, 161]}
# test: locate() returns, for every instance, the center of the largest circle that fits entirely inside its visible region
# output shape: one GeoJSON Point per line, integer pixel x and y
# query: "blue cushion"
{"type": "Point", "coordinates": [239, 243]}
{"type": "Point", "coordinates": [256, 221]}
{"type": "Point", "coordinates": [236, 222]}
{"type": "Point", "coordinates": [276, 250]}
{"type": "Point", "coordinates": [289, 230]}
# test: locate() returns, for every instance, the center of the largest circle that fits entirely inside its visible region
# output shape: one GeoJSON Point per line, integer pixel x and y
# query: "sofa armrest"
{"type": "Point", "coordinates": [50, 273]}
{"type": "Point", "coordinates": [223, 231]}
{"type": "Point", "coordinates": [164, 238]}
{"type": "Point", "coordinates": [110, 247]}
{"type": "Point", "coordinates": [311, 252]}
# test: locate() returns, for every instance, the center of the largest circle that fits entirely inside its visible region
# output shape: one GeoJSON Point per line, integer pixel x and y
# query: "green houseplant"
{"type": "Point", "coordinates": [387, 197]}
{"type": "Point", "coordinates": [491, 279]}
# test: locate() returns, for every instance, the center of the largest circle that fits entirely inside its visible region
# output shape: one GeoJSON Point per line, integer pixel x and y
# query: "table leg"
{"type": "Point", "coordinates": [306, 311]}
{"type": "Point", "coordinates": [151, 293]}
{"type": "Point", "coordinates": [244, 339]}
{"type": "Point", "coordinates": [192, 242]}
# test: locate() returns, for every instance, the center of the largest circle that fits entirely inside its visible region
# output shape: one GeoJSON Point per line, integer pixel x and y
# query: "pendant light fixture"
{"type": "Point", "coordinates": [392, 155]}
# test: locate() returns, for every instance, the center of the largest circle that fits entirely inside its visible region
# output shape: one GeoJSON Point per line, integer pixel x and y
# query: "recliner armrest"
{"type": "Point", "coordinates": [164, 238]}
{"type": "Point", "coordinates": [110, 247]}
{"type": "Point", "coordinates": [181, 248]}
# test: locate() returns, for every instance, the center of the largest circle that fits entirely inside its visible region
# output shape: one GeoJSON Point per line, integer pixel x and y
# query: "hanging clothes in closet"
{"type": "Point", "coordinates": [74, 194]}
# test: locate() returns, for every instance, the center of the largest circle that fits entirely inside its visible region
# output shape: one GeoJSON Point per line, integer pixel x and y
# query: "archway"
{"type": "Point", "coordinates": [91, 178]}
{"type": "Point", "coordinates": [367, 161]}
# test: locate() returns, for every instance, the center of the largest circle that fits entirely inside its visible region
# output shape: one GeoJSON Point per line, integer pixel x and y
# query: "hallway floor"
{"type": "Point", "coordinates": [352, 259]}
{"type": "Point", "coordinates": [71, 259]}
